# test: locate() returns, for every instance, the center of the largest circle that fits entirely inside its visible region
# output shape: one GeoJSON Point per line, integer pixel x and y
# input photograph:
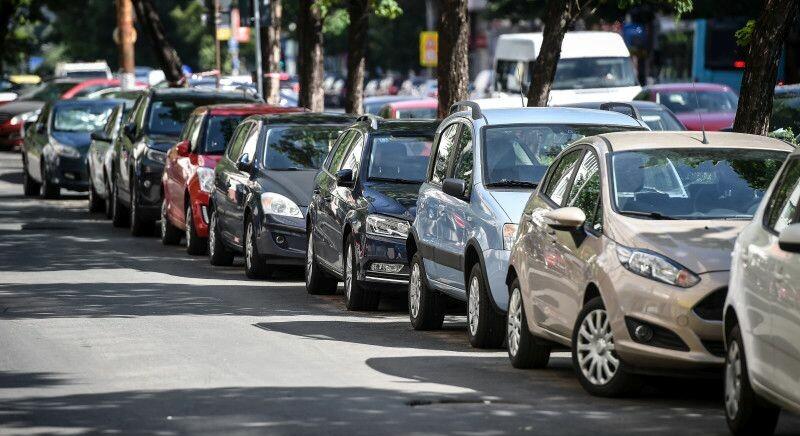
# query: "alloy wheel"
{"type": "Point", "coordinates": [309, 258]}
{"type": "Point", "coordinates": [415, 284]}
{"type": "Point", "coordinates": [348, 272]}
{"type": "Point", "coordinates": [212, 234]}
{"type": "Point", "coordinates": [473, 304]}
{"type": "Point", "coordinates": [514, 327]}
{"type": "Point", "coordinates": [595, 348]}
{"type": "Point", "coordinates": [733, 380]}
{"type": "Point", "coordinates": [248, 246]}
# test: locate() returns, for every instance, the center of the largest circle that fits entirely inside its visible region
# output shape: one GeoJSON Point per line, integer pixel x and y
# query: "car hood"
{"type": "Point", "coordinates": [20, 107]}
{"type": "Point", "coordinates": [393, 199]}
{"type": "Point", "coordinates": [161, 142]}
{"type": "Point", "coordinates": [512, 201]}
{"type": "Point", "coordinates": [79, 140]}
{"type": "Point", "coordinates": [700, 245]}
{"type": "Point", "coordinates": [295, 185]}
{"type": "Point", "coordinates": [713, 121]}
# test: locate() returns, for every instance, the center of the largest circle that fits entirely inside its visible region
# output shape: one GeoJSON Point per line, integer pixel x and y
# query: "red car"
{"type": "Point", "coordinates": [89, 86]}
{"type": "Point", "coordinates": [421, 108]}
{"type": "Point", "coordinates": [713, 104]}
{"type": "Point", "coordinates": [189, 170]}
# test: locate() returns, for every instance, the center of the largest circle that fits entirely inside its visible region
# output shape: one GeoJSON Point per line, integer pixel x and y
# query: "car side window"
{"type": "Point", "coordinates": [559, 180]}
{"type": "Point", "coordinates": [585, 191]}
{"type": "Point", "coordinates": [137, 116]}
{"type": "Point", "coordinates": [446, 141]}
{"type": "Point", "coordinates": [782, 207]}
{"type": "Point", "coordinates": [194, 134]}
{"type": "Point", "coordinates": [187, 128]}
{"type": "Point", "coordinates": [111, 123]}
{"type": "Point", "coordinates": [338, 153]}
{"type": "Point", "coordinates": [237, 141]}
{"type": "Point", "coordinates": [353, 157]}
{"type": "Point", "coordinates": [463, 164]}
{"type": "Point", "coordinates": [251, 141]}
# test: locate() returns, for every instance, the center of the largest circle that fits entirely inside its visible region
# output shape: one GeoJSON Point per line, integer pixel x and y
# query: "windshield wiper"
{"type": "Point", "coordinates": [653, 215]}
{"type": "Point", "coordinates": [389, 179]}
{"type": "Point", "coordinates": [288, 169]}
{"type": "Point", "coordinates": [515, 183]}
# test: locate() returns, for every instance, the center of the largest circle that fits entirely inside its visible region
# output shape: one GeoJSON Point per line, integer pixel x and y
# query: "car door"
{"type": "Point", "coordinates": [125, 146]}
{"type": "Point", "coordinates": [342, 201]}
{"type": "Point", "coordinates": [226, 184]}
{"type": "Point", "coordinates": [455, 222]}
{"type": "Point", "coordinates": [242, 180]}
{"type": "Point", "coordinates": [34, 143]}
{"type": "Point", "coordinates": [548, 266]}
{"type": "Point", "coordinates": [178, 170]}
{"type": "Point", "coordinates": [326, 246]}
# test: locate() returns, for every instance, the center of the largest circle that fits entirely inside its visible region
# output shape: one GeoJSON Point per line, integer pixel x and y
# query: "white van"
{"type": "Point", "coordinates": [594, 67]}
{"type": "Point", "coordinates": [84, 70]}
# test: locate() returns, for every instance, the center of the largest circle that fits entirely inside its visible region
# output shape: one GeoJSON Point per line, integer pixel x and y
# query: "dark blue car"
{"type": "Point", "coordinates": [364, 201]}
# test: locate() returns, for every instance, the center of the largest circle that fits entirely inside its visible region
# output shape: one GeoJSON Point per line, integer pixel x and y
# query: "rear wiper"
{"type": "Point", "coordinates": [653, 215]}
{"type": "Point", "coordinates": [507, 182]}
{"type": "Point", "coordinates": [288, 169]}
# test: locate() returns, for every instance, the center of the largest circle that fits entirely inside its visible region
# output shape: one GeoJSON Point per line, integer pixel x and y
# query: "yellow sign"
{"type": "Point", "coordinates": [428, 48]}
{"type": "Point", "coordinates": [224, 33]}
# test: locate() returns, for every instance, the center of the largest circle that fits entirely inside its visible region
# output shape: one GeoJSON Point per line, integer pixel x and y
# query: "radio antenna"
{"type": "Point", "coordinates": [521, 97]}
{"type": "Point", "coordinates": [699, 114]}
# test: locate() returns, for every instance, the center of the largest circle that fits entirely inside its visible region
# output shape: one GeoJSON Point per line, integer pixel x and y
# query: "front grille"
{"type": "Point", "coordinates": [710, 307]}
{"type": "Point", "coordinates": [662, 338]}
{"type": "Point", "coordinates": [716, 348]}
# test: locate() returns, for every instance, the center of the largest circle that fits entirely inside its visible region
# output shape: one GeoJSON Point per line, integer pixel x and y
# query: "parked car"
{"type": "Point", "coordinates": [87, 87]}
{"type": "Point", "coordinates": [151, 129]}
{"type": "Point", "coordinates": [698, 106]}
{"type": "Point", "coordinates": [262, 189]}
{"type": "Point", "coordinates": [373, 105]}
{"type": "Point", "coordinates": [486, 165]}
{"type": "Point", "coordinates": [656, 116]}
{"type": "Point", "coordinates": [364, 202]}
{"type": "Point", "coordinates": [424, 108]}
{"type": "Point", "coordinates": [624, 251]}
{"type": "Point", "coordinates": [83, 70]}
{"type": "Point", "coordinates": [100, 159]}
{"type": "Point", "coordinates": [56, 145]}
{"type": "Point", "coordinates": [188, 178]}
{"type": "Point", "coordinates": [762, 312]}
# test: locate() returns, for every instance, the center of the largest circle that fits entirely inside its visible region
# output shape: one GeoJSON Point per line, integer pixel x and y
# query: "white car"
{"type": "Point", "coordinates": [762, 312]}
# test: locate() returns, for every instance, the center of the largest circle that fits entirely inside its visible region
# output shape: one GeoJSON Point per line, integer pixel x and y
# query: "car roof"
{"type": "Point", "coordinates": [558, 115]}
{"type": "Point", "coordinates": [200, 93]}
{"type": "Point", "coordinates": [246, 109]}
{"type": "Point", "coordinates": [88, 102]}
{"type": "Point", "coordinates": [638, 104]}
{"type": "Point", "coordinates": [576, 44]}
{"type": "Point", "coordinates": [687, 87]}
{"type": "Point", "coordinates": [306, 118]}
{"type": "Point", "coordinates": [422, 103]}
{"type": "Point", "coordinates": [631, 141]}
{"type": "Point", "coordinates": [401, 125]}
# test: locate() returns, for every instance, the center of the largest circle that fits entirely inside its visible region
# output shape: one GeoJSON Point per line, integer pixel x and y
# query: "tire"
{"type": "Point", "coordinates": [425, 306]}
{"type": "Point", "coordinates": [49, 191]}
{"type": "Point", "coordinates": [170, 235]}
{"type": "Point", "coordinates": [524, 351]}
{"type": "Point", "coordinates": [615, 382]}
{"type": "Point", "coordinates": [95, 202]}
{"type": "Point", "coordinates": [195, 245]}
{"type": "Point", "coordinates": [255, 266]}
{"type": "Point", "coordinates": [108, 203]}
{"type": "Point", "coordinates": [485, 327]}
{"type": "Point", "coordinates": [318, 282]}
{"type": "Point", "coordinates": [745, 411]}
{"type": "Point", "coordinates": [356, 295]}
{"type": "Point", "coordinates": [218, 253]}
{"type": "Point", "coordinates": [139, 227]}
{"type": "Point", "coordinates": [119, 216]}
{"type": "Point", "coordinates": [30, 187]}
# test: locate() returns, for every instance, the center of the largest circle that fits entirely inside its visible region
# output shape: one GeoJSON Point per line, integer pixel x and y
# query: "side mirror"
{"type": "Point", "coordinates": [454, 187]}
{"type": "Point", "coordinates": [182, 148]}
{"type": "Point", "coordinates": [565, 218]}
{"type": "Point", "coordinates": [130, 130]}
{"type": "Point", "coordinates": [345, 178]}
{"type": "Point", "coordinates": [41, 128]}
{"type": "Point", "coordinates": [100, 136]}
{"type": "Point", "coordinates": [789, 239]}
{"type": "Point", "coordinates": [244, 164]}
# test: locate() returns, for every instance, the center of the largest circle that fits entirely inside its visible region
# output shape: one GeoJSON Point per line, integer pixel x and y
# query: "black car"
{"type": "Point", "coordinates": [655, 115]}
{"type": "Point", "coordinates": [54, 152]}
{"type": "Point", "coordinates": [151, 128]}
{"type": "Point", "coordinates": [262, 188]}
{"type": "Point", "coordinates": [364, 201]}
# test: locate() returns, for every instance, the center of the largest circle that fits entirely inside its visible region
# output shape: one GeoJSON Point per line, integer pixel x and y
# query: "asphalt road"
{"type": "Point", "coordinates": [101, 332]}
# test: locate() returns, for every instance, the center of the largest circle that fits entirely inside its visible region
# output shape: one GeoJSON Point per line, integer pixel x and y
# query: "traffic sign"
{"type": "Point", "coordinates": [428, 48]}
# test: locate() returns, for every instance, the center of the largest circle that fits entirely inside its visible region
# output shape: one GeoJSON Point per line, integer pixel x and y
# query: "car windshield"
{"type": "Point", "coordinates": [580, 73]}
{"type": "Point", "coordinates": [168, 116]}
{"type": "Point", "coordinates": [700, 101]}
{"type": "Point", "coordinates": [81, 118]}
{"type": "Point", "coordinates": [520, 155]}
{"type": "Point", "coordinates": [399, 158]}
{"type": "Point", "coordinates": [299, 147]}
{"type": "Point", "coordinates": [219, 130]}
{"type": "Point", "coordinates": [427, 113]}
{"type": "Point", "coordinates": [693, 183]}
{"type": "Point", "coordinates": [657, 119]}
{"type": "Point", "coordinates": [47, 91]}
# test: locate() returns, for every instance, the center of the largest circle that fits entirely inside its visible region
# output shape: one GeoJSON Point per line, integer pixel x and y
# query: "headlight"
{"type": "Point", "coordinates": [509, 235]}
{"type": "Point", "coordinates": [206, 178]}
{"type": "Point", "coordinates": [380, 225]}
{"type": "Point", "coordinates": [656, 267]}
{"type": "Point", "coordinates": [155, 155]}
{"type": "Point", "coordinates": [64, 150]}
{"type": "Point", "coordinates": [277, 204]}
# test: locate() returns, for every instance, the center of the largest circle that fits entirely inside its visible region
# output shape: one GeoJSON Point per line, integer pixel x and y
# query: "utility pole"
{"type": "Point", "coordinates": [125, 36]}
{"type": "Point", "coordinates": [217, 48]}
{"type": "Point", "coordinates": [259, 66]}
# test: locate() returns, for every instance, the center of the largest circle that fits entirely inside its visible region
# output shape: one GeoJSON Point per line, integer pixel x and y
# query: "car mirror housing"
{"type": "Point", "coordinates": [182, 148]}
{"type": "Point", "coordinates": [345, 178]}
{"type": "Point", "coordinates": [789, 239]}
{"type": "Point", "coordinates": [100, 135]}
{"type": "Point", "coordinates": [454, 187]}
{"type": "Point", "coordinates": [244, 164]}
{"type": "Point", "coordinates": [565, 218]}
{"type": "Point", "coordinates": [130, 130]}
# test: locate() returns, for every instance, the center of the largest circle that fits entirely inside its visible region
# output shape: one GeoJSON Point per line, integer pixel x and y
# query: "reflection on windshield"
{"type": "Point", "coordinates": [168, 116]}
{"type": "Point", "coordinates": [581, 73]}
{"type": "Point", "coordinates": [299, 148]}
{"type": "Point", "coordinates": [660, 120]}
{"type": "Point", "coordinates": [520, 155]}
{"type": "Point", "coordinates": [700, 101]}
{"type": "Point", "coordinates": [218, 132]}
{"type": "Point", "coordinates": [81, 118]}
{"type": "Point", "coordinates": [693, 183]}
{"type": "Point", "coordinates": [400, 158]}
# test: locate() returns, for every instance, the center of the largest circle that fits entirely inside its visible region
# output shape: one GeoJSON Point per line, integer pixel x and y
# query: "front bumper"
{"type": "Point", "coordinates": [281, 240]}
{"type": "Point", "coordinates": [69, 172]}
{"type": "Point", "coordinates": [375, 254]}
{"type": "Point", "coordinates": [496, 263]}
{"type": "Point", "coordinates": [148, 188]}
{"type": "Point", "coordinates": [200, 213]}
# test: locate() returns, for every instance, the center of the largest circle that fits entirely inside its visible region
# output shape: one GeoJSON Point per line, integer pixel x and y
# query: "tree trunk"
{"type": "Point", "coordinates": [166, 54]}
{"type": "Point", "coordinates": [453, 61]}
{"type": "Point", "coordinates": [559, 15]}
{"type": "Point", "coordinates": [310, 67]}
{"type": "Point", "coordinates": [271, 51]}
{"type": "Point", "coordinates": [6, 13]}
{"type": "Point", "coordinates": [358, 10]}
{"type": "Point", "coordinates": [761, 69]}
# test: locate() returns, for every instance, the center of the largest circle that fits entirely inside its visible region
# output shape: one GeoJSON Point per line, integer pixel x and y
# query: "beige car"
{"type": "Point", "coordinates": [623, 253]}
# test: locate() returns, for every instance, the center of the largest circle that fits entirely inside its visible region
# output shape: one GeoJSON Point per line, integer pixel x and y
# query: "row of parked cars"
{"type": "Point", "coordinates": [554, 228]}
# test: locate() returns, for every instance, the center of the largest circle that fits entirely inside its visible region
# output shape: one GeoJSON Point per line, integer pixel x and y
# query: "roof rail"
{"type": "Point", "coordinates": [475, 108]}
{"type": "Point", "coordinates": [369, 118]}
{"type": "Point", "coordinates": [634, 112]}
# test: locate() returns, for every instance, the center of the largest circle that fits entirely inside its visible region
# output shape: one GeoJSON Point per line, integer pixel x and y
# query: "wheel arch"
{"type": "Point", "coordinates": [591, 291]}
